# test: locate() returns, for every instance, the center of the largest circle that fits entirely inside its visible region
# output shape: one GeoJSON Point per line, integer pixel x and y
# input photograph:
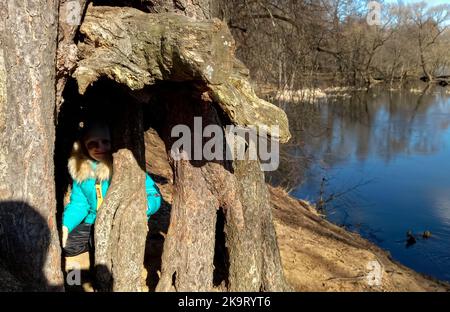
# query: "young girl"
{"type": "Point", "coordinates": [91, 168]}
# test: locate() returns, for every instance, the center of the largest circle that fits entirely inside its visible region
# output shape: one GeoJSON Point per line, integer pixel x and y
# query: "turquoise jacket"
{"type": "Point", "coordinates": [83, 199]}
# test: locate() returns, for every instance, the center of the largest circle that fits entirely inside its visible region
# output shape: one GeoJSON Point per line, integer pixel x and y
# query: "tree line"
{"type": "Point", "coordinates": [294, 44]}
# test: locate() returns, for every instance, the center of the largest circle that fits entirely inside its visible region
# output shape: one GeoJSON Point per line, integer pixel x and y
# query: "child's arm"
{"type": "Point", "coordinates": [77, 209]}
{"type": "Point", "coordinates": [153, 196]}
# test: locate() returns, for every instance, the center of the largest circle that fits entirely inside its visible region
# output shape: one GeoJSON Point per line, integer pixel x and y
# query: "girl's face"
{"type": "Point", "coordinates": [98, 145]}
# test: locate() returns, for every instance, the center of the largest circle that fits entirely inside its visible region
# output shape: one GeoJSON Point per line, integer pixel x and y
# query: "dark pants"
{"type": "Point", "coordinates": [80, 240]}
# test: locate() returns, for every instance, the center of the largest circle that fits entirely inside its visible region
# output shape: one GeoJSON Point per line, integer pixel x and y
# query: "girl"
{"type": "Point", "coordinates": [90, 167]}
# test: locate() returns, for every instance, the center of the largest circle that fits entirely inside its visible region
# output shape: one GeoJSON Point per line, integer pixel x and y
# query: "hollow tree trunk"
{"type": "Point", "coordinates": [29, 242]}
{"type": "Point", "coordinates": [202, 189]}
{"type": "Point", "coordinates": [204, 80]}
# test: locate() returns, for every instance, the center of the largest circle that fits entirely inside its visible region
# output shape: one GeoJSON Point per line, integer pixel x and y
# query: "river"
{"type": "Point", "coordinates": [380, 162]}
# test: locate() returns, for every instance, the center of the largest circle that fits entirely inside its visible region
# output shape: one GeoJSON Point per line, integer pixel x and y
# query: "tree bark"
{"type": "Point", "coordinates": [198, 9]}
{"type": "Point", "coordinates": [29, 242]}
{"type": "Point", "coordinates": [187, 261]}
{"type": "Point", "coordinates": [70, 18]}
{"type": "Point", "coordinates": [121, 225]}
{"type": "Point", "coordinates": [188, 256]}
{"type": "Point", "coordinates": [202, 190]}
{"type": "Point", "coordinates": [255, 262]}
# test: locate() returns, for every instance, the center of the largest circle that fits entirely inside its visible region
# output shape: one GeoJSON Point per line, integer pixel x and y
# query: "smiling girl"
{"type": "Point", "coordinates": [90, 167]}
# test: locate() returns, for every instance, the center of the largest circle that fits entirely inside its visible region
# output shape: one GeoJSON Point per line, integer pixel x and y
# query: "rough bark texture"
{"type": "Point", "coordinates": [251, 240]}
{"type": "Point", "coordinates": [195, 60]}
{"type": "Point", "coordinates": [188, 257]}
{"type": "Point", "coordinates": [139, 49]}
{"type": "Point", "coordinates": [9, 282]}
{"type": "Point", "coordinates": [70, 16]}
{"type": "Point", "coordinates": [29, 242]}
{"type": "Point", "coordinates": [202, 190]}
{"type": "Point", "coordinates": [187, 262]}
{"type": "Point", "coordinates": [198, 9]}
{"type": "Point", "coordinates": [121, 227]}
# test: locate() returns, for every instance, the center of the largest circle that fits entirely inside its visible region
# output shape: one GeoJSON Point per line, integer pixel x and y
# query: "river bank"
{"type": "Point", "coordinates": [376, 164]}
{"type": "Point", "coordinates": [320, 256]}
{"type": "Point", "coordinates": [316, 254]}
{"type": "Point", "coordinates": [286, 95]}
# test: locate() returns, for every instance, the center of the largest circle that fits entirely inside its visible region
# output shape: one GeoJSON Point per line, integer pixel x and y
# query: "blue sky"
{"type": "Point", "coordinates": [430, 2]}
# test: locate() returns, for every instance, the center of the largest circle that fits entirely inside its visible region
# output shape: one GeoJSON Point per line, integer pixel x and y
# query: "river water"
{"type": "Point", "coordinates": [380, 162]}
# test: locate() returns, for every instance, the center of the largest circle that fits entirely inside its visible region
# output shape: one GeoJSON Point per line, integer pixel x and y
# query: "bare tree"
{"type": "Point", "coordinates": [430, 24]}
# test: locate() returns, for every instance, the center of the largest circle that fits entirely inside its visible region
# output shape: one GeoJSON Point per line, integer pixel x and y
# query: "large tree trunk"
{"type": "Point", "coordinates": [255, 262]}
{"type": "Point", "coordinates": [207, 82]}
{"type": "Point", "coordinates": [202, 190]}
{"type": "Point", "coordinates": [215, 88]}
{"type": "Point", "coordinates": [237, 190]}
{"type": "Point", "coordinates": [188, 256]}
{"type": "Point", "coordinates": [29, 242]}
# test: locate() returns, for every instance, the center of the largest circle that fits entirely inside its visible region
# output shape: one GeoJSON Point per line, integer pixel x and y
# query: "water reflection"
{"type": "Point", "coordinates": [387, 154]}
{"type": "Point", "coordinates": [386, 124]}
